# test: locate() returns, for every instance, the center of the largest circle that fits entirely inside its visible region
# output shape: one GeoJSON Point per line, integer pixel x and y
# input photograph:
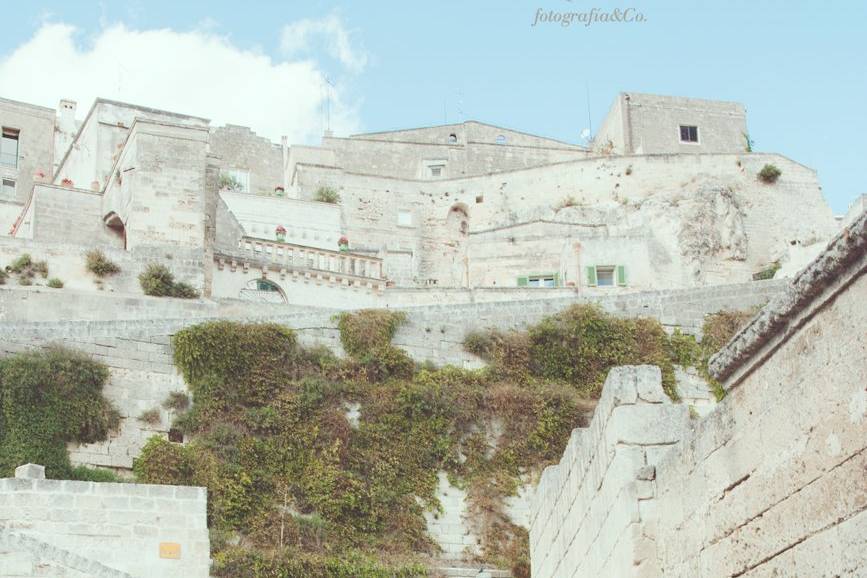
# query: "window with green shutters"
{"type": "Point", "coordinates": [606, 275]}
{"type": "Point", "coordinates": [548, 280]}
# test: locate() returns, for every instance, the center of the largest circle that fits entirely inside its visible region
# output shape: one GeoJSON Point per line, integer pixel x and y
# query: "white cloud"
{"type": "Point", "coordinates": [299, 37]}
{"type": "Point", "coordinates": [195, 72]}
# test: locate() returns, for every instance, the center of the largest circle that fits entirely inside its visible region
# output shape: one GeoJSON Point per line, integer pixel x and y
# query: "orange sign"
{"type": "Point", "coordinates": [170, 550]}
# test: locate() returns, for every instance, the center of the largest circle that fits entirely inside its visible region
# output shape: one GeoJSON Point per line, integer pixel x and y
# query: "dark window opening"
{"type": "Point", "coordinates": [176, 436]}
{"type": "Point", "coordinates": [480, 199]}
{"type": "Point", "coordinates": [453, 138]}
{"type": "Point", "coordinates": [688, 133]}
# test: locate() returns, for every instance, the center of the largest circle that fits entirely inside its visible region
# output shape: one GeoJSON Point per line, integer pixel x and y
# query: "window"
{"type": "Point", "coordinates": [480, 199]}
{"type": "Point", "coordinates": [501, 139]}
{"type": "Point", "coordinates": [9, 147]}
{"type": "Point", "coordinates": [7, 192]}
{"type": "Point", "coordinates": [606, 275]}
{"type": "Point", "coordinates": [453, 138]}
{"type": "Point", "coordinates": [543, 280]}
{"type": "Point", "coordinates": [688, 133]}
{"type": "Point", "coordinates": [436, 170]}
{"type": "Point", "coordinates": [241, 180]}
{"type": "Point", "coordinates": [265, 285]}
{"type": "Point", "coordinates": [404, 219]}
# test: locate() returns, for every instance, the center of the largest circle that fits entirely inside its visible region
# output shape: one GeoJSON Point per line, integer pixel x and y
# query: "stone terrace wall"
{"type": "Point", "coordinates": [588, 510]}
{"type": "Point", "coordinates": [123, 526]}
{"type": "Point", "coordinates": [434, 332]}
{"type": "Point", "coordinates": [774, 482]}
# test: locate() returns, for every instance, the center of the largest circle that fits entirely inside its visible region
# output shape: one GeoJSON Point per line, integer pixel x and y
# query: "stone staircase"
{"type": "Point", "coordinates": [476, 571]}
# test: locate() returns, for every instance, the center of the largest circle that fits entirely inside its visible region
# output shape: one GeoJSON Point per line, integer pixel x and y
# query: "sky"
{"type": "Point", "coordinates": [296, 68]}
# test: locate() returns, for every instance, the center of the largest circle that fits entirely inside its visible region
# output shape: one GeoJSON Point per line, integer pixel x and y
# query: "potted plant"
{"type": "Point", "coordinates": [66, 182]}
{"type": "Point", "coordinates": [281, 234]}
{"type": "Point", "coordinates": [278, 190]}
{"type": "Point", "coordinates": [343, 244]}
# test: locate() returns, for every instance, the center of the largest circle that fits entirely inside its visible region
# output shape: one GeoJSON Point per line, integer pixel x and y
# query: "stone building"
{"type": "Point", "coordinates": [666, 197]}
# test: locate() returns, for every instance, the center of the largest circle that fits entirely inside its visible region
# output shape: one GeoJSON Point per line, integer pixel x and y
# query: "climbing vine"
{"type": "Point", "coordinates": [299, 488]}
{"type": "Point", "coordinates": [49, 398]}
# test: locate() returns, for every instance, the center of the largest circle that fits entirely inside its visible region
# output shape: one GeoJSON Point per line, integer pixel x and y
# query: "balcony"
{"type": "Point", "coordinates": [286, 256]}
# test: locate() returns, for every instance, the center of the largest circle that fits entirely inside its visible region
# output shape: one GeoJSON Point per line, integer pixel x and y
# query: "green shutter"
{"type": "Point", "coordinates": [621, 275]}
{"type": "Point", "coordinates": [591, 276]}
{"type": "Point", "coordinates": [522, 281]}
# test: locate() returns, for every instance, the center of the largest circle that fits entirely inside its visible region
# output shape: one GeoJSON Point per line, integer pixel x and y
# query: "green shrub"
{"type": "Point", "coordinates": [55, 283]}
{"type": "Point", "coordinates": [158, 281]}
{"type": "Point", "coordinates": [270, 439]}
{"type": "Point", "coordinates": [25, 280]}
{"type": "Point", "coordinates": [86, 474]}
{"type": "Point", "coordinates": [326, 195]}
{"type": "Point", "coordinates": [49, 398]}
{"type": "Point", "coordinates": [21, 264]}
{"type": "Point", "coordinates": [163, 462]}
{"type": "Point", "coordinates": [769, 174]}
{"type": "Point", "coordinates": [291, 563]}
{"type": "Point", "coordinates": [100, 265]}
{"type": "Point", "coordinates": [364, 331]}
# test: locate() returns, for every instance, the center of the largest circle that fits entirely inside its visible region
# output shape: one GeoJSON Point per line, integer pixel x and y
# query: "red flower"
{"type": "Point", "coordinates": [281, 229]}
{"type": "Point", "coordinates": [343, 241]}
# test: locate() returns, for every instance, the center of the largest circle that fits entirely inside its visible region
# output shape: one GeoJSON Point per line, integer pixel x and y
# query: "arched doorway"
{"type": "Point", "coordinates": [457, 231]}
{"type": "Point", "coordinates": [116, 227]}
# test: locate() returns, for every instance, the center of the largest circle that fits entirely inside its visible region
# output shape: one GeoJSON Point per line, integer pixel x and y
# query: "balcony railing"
{"type": "Point", "coordinates": [289, 256]}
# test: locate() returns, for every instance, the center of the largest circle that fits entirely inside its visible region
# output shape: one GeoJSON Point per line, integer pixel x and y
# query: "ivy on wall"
{"type": "Point", "coordinates": [49, 398]}
{"type": "Point", "coordinates": [297, 489]}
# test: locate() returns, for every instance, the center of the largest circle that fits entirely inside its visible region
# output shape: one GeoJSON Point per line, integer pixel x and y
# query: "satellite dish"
{"type": "Point", "coordinates": [585, 134]}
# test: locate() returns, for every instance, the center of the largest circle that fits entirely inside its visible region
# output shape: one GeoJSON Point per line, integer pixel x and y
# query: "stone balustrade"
{"type": "Point", "coordinates": [289, 256]}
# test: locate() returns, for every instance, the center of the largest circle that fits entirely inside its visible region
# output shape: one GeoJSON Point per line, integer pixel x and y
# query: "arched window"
{"type": "Point", "coordinates": [501, 139]}
{"type": "Point", "coordinates": [264, 291]}
{"type": "Point", "coordinates": [453, 138]}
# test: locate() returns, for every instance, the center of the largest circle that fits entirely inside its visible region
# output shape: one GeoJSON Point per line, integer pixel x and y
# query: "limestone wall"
{"type": "Point", "coordinates": [588, 510]}
{"type": "Point", "coordinates": [67, 261]}
{"type": "Point", "coordinates": [675, 220]}
{"type": "Point", "coordinates": [35, 147]}
{"type": "Point", "coordinates": [238, 147]}
{"type": "Point", "coordinates": [88, 529]}
{"type": "Point", "coordinates": [770, 483]}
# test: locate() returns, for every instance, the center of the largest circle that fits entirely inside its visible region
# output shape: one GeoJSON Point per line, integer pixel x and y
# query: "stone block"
{"type": "Point", "coordinates": [30, 471]}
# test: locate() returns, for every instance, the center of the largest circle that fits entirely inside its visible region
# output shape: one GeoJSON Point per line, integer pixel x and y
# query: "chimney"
{"type": "Point", "coordinates": [67, 116]}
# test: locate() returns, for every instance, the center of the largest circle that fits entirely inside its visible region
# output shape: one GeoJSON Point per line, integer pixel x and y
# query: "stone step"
{"type": "Point", "coordinates": [470, 572]}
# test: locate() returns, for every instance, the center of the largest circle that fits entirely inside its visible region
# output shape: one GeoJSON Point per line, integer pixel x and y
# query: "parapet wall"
{"type": "Point", "coordinates": [588, 511]}
{"type": "Point", "coordinates": [136, 530]}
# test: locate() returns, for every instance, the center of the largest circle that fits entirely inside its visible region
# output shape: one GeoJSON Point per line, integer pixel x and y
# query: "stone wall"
{"type": "Point", "coordinates": [674, 220]}
{"type": "Point", "coordinates": [87, 529]}
{"type": "Point", "coordinates": [67, 261]}
{"type": "Point", "coordinates": [650, 124]}
{"type": "Point", "coordinates": [238, 147]}
{"type": "Point", "coordinates": [773, 482]}
{"type": "Point", "coordinates": [35, 147]}
{"type": "Point", "coordinates": [588, 511]}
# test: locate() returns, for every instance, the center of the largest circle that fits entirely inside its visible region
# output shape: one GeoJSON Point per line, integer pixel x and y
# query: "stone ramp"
{"type": "Point", "coordinates": [24, 556]}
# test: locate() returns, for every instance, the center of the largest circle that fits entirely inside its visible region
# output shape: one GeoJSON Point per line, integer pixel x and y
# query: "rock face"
{"type": "Point", "coordinates": [713, 227]}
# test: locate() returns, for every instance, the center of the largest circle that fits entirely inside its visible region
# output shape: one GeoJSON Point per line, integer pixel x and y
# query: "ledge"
{"type": "Point", "coordinates": [830, 269]}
